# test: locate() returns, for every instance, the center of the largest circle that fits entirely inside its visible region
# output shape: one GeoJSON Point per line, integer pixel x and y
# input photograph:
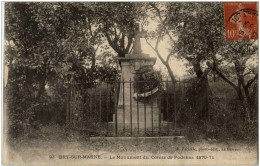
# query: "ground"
{"type": "Point", "coordinates": [55, 148]}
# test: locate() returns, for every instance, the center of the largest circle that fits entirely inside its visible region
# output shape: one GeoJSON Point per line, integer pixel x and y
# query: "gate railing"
{"type": "Point", "coordinates": [114, 108]}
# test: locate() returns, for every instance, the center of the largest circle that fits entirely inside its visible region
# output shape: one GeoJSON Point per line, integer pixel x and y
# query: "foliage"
{"type": "Point", "coordinates": [197, 34]}
{"type": "Point", "coordinates": [159, 34]}
{"type": "Point", "coordinates": [225, 118]}
{"type": "Point", "coordinates": [52, 46]}
{"type": "Point", "coordinates": [119, 29]}
{"type": "Point", "coordinates": [49, 45]}
{"type": "Point", "coordinates": [199, 22]}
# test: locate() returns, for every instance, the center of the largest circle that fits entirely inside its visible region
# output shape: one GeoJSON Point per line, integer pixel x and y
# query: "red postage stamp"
{"type": "Point", "coordinates": [241, 20]}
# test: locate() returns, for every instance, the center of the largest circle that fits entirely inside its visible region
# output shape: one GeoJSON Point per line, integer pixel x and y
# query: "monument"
{"type": "Point", "coordinates": [131, 113]}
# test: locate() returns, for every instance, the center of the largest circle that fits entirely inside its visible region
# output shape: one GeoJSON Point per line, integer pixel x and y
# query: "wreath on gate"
{"type": "Point", "coordinates": [147, 82]}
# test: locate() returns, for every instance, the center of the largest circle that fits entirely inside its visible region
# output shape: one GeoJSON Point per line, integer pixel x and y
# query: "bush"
{"type": "Point", "coordinates": [225, 117]}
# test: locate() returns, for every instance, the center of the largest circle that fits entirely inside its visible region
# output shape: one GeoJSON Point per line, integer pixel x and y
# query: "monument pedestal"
{"type": "Point", "coordinates": [144, 117]}
{"type": "Point", "coordinates": [131, 113]}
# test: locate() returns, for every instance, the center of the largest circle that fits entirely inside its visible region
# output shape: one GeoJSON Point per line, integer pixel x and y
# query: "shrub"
{"type": "Point", "coordinates": [225, 117]}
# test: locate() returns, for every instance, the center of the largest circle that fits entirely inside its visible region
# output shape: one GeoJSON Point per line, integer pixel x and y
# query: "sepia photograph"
{"type": "Point", "coordinates": [130, 83]}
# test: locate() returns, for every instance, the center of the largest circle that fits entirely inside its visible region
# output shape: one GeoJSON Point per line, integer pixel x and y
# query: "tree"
{"type": "Point", "coordinates": [200, 39]}
{"type": "Point", "coordinates": [47, 45]}
{"type": "Point", "coordinates": [159, 34]}
{"type": "Point", "coordinates": [241, 72]}
{"type": "Point", "coordinates": [119, 29]}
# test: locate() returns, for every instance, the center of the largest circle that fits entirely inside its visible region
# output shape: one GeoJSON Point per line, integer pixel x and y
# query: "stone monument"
{"type": "Point", "coordinates": [130, 112]}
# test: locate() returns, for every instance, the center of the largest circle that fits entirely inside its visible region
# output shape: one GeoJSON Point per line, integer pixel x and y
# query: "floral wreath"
{"type": "Point", "coordinates": [147, 82]}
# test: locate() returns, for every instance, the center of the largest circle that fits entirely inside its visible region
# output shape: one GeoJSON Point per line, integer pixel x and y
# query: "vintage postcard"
{"type": "Point", "coordinates": [130, 83]}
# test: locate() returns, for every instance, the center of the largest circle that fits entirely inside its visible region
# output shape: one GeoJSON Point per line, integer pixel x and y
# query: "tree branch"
{"type": "Point", "coordinates": [143, 22]}
{"type": "Point", "coordinates": [156, 45]}
{"type": "Point", "coordinates": [131, 49]}
{"type": "Point", "coordinates": [89, 27]}
{"type": "Point", "coordinates": [156, 51]}
{"type": "Point", "coordinates": [162, 21]}
{"type": "Point", "coordinates": [96, 49]}
{"type": "Point", "coordinates": [162, 60]}
{"type": "Point", "coordinates": [250, 82]}
{"type": "Point", "coordinates": [234, 50]}
{"type": "Point", "coordinates": [97, 32]}
{"type": "Point", "coordinates": [222, 76]}
{"type": "Point", "coordinates": [248, 73]}
{"type": "Point", "coordinates": [130, 41]}
{"type": "Point", "coordinates": [122, 41]}
{"type": "Point", "coordinates": [113, 44]}
{"type": "Point", "coordinates": [170, 54]}
{"type": "Point", "coordinates": [168, 57]}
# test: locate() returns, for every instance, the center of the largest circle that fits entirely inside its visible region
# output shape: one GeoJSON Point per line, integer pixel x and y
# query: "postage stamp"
{"type": "Point", "coordinates": [241, 20]}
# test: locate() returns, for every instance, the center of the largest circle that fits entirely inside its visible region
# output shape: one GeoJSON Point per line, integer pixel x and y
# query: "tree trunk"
{"type": "Point", "coordinates": [202, 93]}
{"type": "Point", "coordinates": [93, 62]}
{"type": "Point", "coordinates": [244, 105]}
{"type": "Point", "coordinates": [41, 90]}
{"type": "Point", "coordinates": [170, 73]}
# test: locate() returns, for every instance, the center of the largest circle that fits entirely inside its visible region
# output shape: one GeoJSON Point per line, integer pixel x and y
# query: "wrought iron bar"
{"type": "Point", "coordinates": [175, 110]}
{"type": "Point", "coordinates": [107, 114]}
{"type": "Point", "coordinates": [137, 114]}
{"type": "Point", "coordinates": [68, 105]}
{"type": "Point", "coordinates": [152, 115]}
{"type": "Point", "coordinates": [110, 99]}
{"type": "Point", "coordinates": [159, 119]}
{"type": "Point", "coordinates": [144, 115]}
{"type": "Point", "coordinates": [131, 107]}
{"type": "Point", "coordinates": [95, 92]}
{"type": "Point", "coordinates": [124, 106]}
{"type": "Point", "coordinates": [100, 109]}
{"type": "Point", "coordinates": [180, 89]}
{"type": "Point", "coordinates": [91, 102]}
{"type": "Point", "coordinates": [71, 96]}
{"type": "Point", "coordinates": [167, 108]}
{"type": "Point", "coordinates": [115, 96]}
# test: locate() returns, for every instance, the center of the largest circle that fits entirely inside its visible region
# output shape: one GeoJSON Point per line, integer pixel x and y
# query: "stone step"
{"type": "Point", "coordinates": [164, 125]}
{"type": "Point", "coordinates": [141, 115]}
{"type": "Point", "coordinates": [155, 131]}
